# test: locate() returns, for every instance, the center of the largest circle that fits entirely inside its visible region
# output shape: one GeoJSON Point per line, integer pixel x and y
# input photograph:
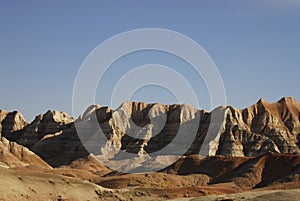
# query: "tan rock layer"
{"type": "Point", "coordinates": [144, 129]}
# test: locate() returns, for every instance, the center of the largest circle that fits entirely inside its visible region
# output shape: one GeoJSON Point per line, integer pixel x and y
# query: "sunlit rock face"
{"type": "Point", "coordinates": [150, 130]}
{"type": "Point", "coordinates": [50, 123]}
{"type": "Point", "coordinates": [15, 155]}
{"type": "Point", "coordinates": [260, 128]}
{"type": "Point", "coordinates": [11, 121]}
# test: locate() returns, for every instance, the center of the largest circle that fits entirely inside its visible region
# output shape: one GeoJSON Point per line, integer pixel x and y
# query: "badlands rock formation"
{"type": "Point", "coordinates": [234, 144]}
{"type": "Point", "coordinates": [155, 129]}
{"type": "Point", "coordinates": [14, 155]}
{"type": "Point", "coordinates": [244, 172]}
{"type": "Point", "coordinates": [11, 121]}
{"type": "Point", "coordinates": [48, 135]}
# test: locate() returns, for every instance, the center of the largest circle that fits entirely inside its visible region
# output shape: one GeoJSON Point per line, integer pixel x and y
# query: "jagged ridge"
{"type": "Point", "coordinates": [147, 128]}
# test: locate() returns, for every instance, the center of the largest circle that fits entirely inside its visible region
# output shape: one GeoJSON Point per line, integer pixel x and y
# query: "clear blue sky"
{"type": "Point", "coordinates": [254, 43]}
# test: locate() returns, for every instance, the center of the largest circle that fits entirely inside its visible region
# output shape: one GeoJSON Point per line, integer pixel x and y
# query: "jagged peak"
{"type": "Point", "coordinates": [261, 105]}
{"type": "Point", "coordinates": [15, 116]}
{"type": "Point", "coordinates": [19, 116]}
{"type": "Point", "coordinates": [139, 109]}
{"type": "Point", "coordinates": [228, 107]}
{"type": "Point", "coordinates": [38, 118]}
{"type": "Point", "coordinates": [262, 101]}
{"type": "Point", "coordinates": [55, 115]}
{"type": "Point", "coordinates": [234, 111]}
{"type": "Point", "coordinates": [125, 104]}
{"type": "Point", "coordinates": [287, 99]}
{"type": "Point", "coordinates": [11, 121]}
{"type": "Point", "coordinates": [133, 105]}
{"type": "Point", "coordinates": [91, 109]}
{"type": "Point", "coordinates": [3, 111]}
{"type": "Point", "coordinates": [49, 113]}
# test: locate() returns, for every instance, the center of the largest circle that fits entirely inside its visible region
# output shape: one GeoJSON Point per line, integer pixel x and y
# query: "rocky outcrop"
{"type": "Point", "coordinates": [151, 130]}
{"type": "Point", "coordinates": [253, 131]}
{"type": "Point", "coordinates": [11, 121]}
{"type": "Point", "coordinates": [258, 129]}
{"type": "Point", "coordinates": [45, 125]}
{"type": "Point", "coordinates": [245, 172]}
{"type": "Point", "coordinates": [52, 136]}
{"type": "Point", "coordinates": [60, 148]}
{"type": "Point", "coordinates": [15, 155]}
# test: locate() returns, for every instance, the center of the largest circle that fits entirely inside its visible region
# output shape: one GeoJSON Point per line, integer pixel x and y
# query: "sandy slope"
{"type": "Point", "coordinates": [266, 195]}
{"type": "Point", "coordinates": [29, 185]}
{"type": "Point", "coordinates": [34, 185]}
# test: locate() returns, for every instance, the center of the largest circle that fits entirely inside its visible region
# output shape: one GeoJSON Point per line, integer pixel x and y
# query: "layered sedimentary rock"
{"type": "Point", "coordinates": [150, 128]}
{"type": "Point", "coordinates": [261, 128]}
{"type": "Point", "coordinates": [245, 172]}
{"type": "Point", "coordinates": [137, 128]}
{"type": "Point", "coordinates": [48, 135]}
{"type": "Point", "coordinates": [15, 155]}
{"type": "Point", "coordinates": [11, 121]}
